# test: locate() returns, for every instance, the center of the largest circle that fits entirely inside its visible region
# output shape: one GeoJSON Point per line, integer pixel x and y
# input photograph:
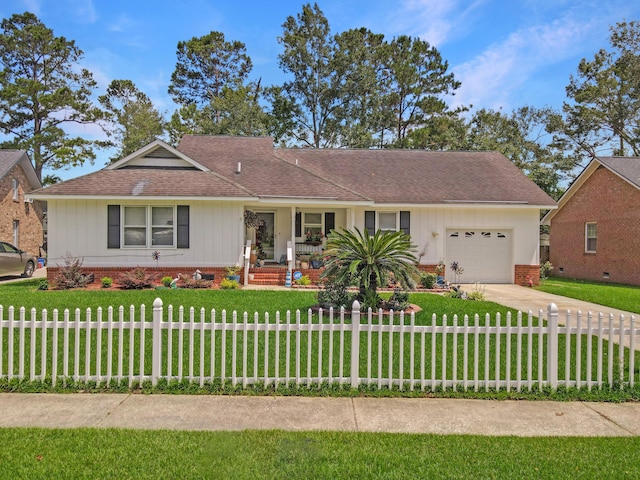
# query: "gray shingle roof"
{"type": "Point", "coordinates": [353, 175]}
{"type": "Point", "coordinates": [8, 159]}
{"type": "Point", "coordinates": [146, 182]}
{"type": "Point", "coordinates": [422, 177]}
{"type": "Point", "coordinates": [627, 167]}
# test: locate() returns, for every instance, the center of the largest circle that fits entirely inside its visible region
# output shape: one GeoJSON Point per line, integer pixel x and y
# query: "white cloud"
{"type": "Point", "coordinates": [494, 77]}
{"type": "Point", "coordinates": [122, 24]}
{"type": "Point", "coordinates": [435, 21]}
{"type": "Point", "coordinates": [85, 11]}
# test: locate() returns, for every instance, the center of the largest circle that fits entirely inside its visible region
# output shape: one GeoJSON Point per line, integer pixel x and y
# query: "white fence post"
{"type": "Point", "coordinates": [552, 345]}
{"type": "Point", "coordinates": [156, 356]}
{"type": "Point", "coordinates": [355, 344]}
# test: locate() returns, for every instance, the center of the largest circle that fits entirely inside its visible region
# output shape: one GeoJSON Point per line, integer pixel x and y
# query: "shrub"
{"type": "Point", "coordinates": [43, 285]}
{"type": "Point", "coordinates": [398, 301]}
{"type": "Point", "coordinates": [335, 295]}
{"type": "Point", "coordinates": [233, 270]}
{"type": "Point", "coordinates": [136, 279]}
{"type": "Point", "coordinates": [545, 270]}
{"type": "Point", "coordinates": [227, 284]}
{"type": "Point", "coordinates": [428, 280]}
{"type": "Point", "coordinates": [166, 281]}
{"type": "Point", "coordinates": [371, 299]}
{"type": "Point", "coordinates": [71, 276]}
{"type": "Point", "coordinates": [456, 292]}
{"type": "Point", "coordinates": [189, 282]}
{"type": "Point", "coordinates": [106, 282]}
{"type": "Point", "coordinates": [304, 280]}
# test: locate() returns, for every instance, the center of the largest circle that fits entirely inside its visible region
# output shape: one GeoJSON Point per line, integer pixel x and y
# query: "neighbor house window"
{"type": "Point", "coordinates": [148, 226]}
{"type": "Point", "coordinates": [16, 233]}
{"type": "Point", "coordinates": [591, 236]}
{"type": "Point", "coordinates": [16, 184]}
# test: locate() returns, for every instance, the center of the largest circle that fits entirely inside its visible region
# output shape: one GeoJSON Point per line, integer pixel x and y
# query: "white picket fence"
{"type": "Point", "coordinates": [326, 347]}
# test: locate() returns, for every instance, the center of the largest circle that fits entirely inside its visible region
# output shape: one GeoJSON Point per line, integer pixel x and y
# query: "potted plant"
{"type": "Point", "coordinates": [260, 257]}
{"type": "Point", "coordinates": [314, 237]}
{"type": "Point", "coordinates": [233, 273]}
{"type": "Point", "coordinates": [315, 259]}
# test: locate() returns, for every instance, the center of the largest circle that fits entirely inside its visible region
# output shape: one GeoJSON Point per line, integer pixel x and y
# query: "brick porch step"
{"type": "Point", "coordinates": [278, 276]}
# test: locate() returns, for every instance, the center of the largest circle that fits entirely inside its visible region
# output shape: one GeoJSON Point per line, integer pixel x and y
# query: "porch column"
{"type": "Point", "coordinates": [292, 261]}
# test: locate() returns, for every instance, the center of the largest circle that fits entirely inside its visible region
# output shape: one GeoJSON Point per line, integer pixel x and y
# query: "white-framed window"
{"type": "Point", "coordinates": [388, 221]}
{"type": "Point", "coordinates": [16, 189]}
{"type": "Point", "coordinates": [148, 226]}
{"type": "Point", "coordinates": [590, 237]}
{"type": "Point", "coordinates": [312, 224]}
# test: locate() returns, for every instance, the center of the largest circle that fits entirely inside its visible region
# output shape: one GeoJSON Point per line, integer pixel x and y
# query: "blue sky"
{"type": "Point", "coordinates": [506, 53]}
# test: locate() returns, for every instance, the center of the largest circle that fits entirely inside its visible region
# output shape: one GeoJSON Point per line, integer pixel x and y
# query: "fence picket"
{"type": "Point", "coordinates": [31, 347]}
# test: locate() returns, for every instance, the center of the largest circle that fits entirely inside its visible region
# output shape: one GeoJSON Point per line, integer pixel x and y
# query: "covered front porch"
{"type": "Point", "coordinates": [270, 230]}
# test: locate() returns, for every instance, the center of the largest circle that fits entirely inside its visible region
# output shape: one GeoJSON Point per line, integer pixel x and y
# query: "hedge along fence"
{"type": "Point", "coordinates": [389, 351]}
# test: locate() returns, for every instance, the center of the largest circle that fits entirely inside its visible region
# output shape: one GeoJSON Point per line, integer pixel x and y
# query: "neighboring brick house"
{"type": "Point", "coordinates": [595, 232]}
{"type": "Point", "coordinates": [21, 221]}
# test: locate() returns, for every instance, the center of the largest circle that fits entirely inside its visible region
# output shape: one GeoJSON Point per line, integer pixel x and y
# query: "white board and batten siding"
{"type": "Point", "coordinates": [214, 235]}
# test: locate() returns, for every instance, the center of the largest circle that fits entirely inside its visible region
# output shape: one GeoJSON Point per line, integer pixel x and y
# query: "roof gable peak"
{"type": "Point", "coordinates": [157, 154]}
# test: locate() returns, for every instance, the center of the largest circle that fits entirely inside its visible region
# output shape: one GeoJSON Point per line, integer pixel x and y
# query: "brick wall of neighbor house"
{"type": "Point", "coordinates": [614, 205]}
{"type": "Point", "coordinates": [28, 214]}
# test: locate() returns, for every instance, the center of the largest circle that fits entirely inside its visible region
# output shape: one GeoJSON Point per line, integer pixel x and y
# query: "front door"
{"type": "Point", "coordinates": [265, 237]}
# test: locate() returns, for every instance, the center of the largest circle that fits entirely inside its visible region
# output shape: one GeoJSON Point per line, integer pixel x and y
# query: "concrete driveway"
{"type": "Point", "coordinates": [525, 299]}
{"type": "Point", "coordinates": [39, 273]}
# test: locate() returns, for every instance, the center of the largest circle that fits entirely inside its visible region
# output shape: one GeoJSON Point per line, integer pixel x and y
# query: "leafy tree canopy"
{"type": "Point", "coordinates": [42, 90]}
{"type": "Point", "coordinates": [133, 120]}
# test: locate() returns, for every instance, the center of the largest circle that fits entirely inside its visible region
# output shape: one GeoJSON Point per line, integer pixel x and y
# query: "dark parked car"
{"type": "Point", "coordinates": [14, 261]}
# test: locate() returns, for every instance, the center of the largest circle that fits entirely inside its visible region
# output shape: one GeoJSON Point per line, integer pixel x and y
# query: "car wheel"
{"type": "Point", "coordinates": [28, 269]}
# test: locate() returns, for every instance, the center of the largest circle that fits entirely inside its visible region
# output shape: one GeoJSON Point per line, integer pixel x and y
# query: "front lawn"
{"type": "Point", "coordinates": [107, 453]}
{"type": "Point", "coordinates": [394, 361]}
{"type": "Point", "coordinates": [26, 294]}
{"type": "Point", "coordinates": [622, 297]}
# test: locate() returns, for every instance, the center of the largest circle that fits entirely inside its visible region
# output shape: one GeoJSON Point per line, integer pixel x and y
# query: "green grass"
{"type": "Point", "coordinates": [123, 454]}
{"type": "Point", "coordinates": [622, 297]}
{"type": "Point", "coordinates": [26, 294]}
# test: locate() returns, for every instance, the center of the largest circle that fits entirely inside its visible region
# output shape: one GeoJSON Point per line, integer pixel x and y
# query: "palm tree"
{"type": "Point", "coordinates": [354, 257]}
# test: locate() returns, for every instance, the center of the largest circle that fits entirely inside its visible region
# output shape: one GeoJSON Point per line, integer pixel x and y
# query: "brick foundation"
{"type": "Point", "coordinates": [114, 272]}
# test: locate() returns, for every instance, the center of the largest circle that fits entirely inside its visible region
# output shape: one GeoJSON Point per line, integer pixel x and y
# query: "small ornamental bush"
{"type": "Point", "coordinates": [189, 282]}
{"type": "Point", "coordinates": [545, 270]}
{"type": "Point", "coordinates": [398, 301]}
{"type": "Point", "coordinates": [227, 284]}
{"type": "Point", "coordinates": [428, 280]}
{"type": "Point", "coordinates": [136, 279]}
{"type": "Point", "coordinates": [335, 295]}
{"type": "Point", "coordinates": [71, 276]}
{"type": "Point", "coordinates": [166, 281]}
{"type": "Point", "coordinates": [304, 280]}
{"type": "Point", "coordinates": [106, 282]}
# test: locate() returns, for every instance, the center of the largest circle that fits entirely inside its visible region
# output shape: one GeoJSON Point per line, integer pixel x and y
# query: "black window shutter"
{"type": "Point", "coordinates": [183, 226]}
{"type": "Point", "coordinates": [370, 221]}
{"type": "Point", "coordinates": [298, 224]}
{"type": "Point", "coordinates": [405, 222]}
{"type": "Point", "coordinates": [113, 226]}
{"type": "Point", "coordinates": [329, 222]}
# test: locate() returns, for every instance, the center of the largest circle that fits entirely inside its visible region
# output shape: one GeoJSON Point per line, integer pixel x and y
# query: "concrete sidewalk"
{"type": "Point", "coordinates": [402, 415]}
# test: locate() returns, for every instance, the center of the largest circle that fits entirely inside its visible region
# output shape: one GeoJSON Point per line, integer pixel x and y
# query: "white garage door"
{"type": "Point", "coordinates": [485, 255]}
